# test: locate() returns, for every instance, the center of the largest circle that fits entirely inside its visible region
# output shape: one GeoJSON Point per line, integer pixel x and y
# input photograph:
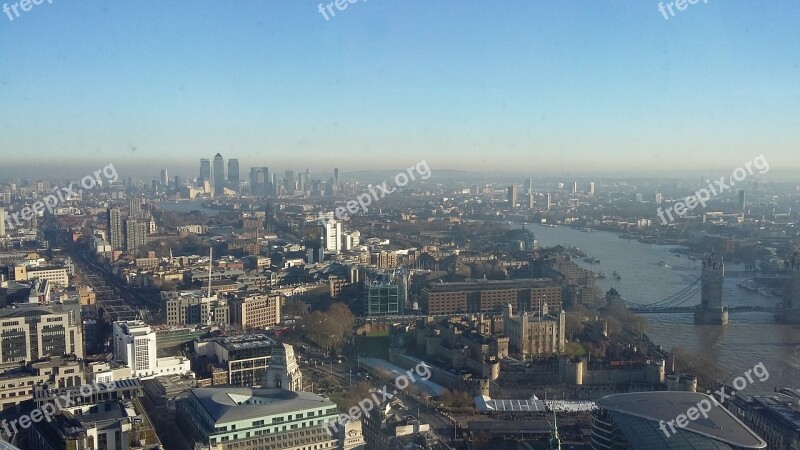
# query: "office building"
{"type": "Point", "coordinates": [775, 417]}
{"type": "Point", "coordinates": [255, 311]}
{"type": "Point", "coordinates": [244, 359]}
{"type": "Point", "coordinates": [641, 421]}
{"type": "Point", "coordinates": [289, 182]}
{"type": "Point", "coordinates": [512, 197]}
{"type": "Point", "coordinates": [30, 332]}
{"type": "Point", "coordinates": [116, 236]}
{"type": "Point", "coordinates": [384, 300]}
{"type": "Point", "coordinates": [164, 179]}
{"type": "Point", "coordinates": [531, 200]}
{"type": "Point", "coordinates": [549, 201]}
{"type": "Point", "coordinates": [742, 200]}
{"type": "Point", "coordinates": [490, 296]}
{"type": "Point", "coordinates": [590, 191]}
{"type": "Point", "coordinates": [233, 173]}
{"type": "Point", "coordinates": [219, 175]}
{"type": "Point", "coordinates": [2, 222]}
{"type": "Point", "coordinates": [194, 308]}
{"type": "Point", "coordinates": [205, 170]}
{"type": "Point", "coordinates": [529, 186]}
{"type": "Point", "coordinates": [260, 181]}
{"type": "Point", "coordinates": [658, 198]}
{"type": "Point", "coordinates": [332, 236]}
{"type": "Point", "coordinates": [246, 418]}
{"type": "Point", "coordinates": [135, 346]}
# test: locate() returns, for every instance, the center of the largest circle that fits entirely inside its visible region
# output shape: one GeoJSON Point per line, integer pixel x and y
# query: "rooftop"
{"type": "Point", "coordinates": [720, 425]}
{"type": "Point", "coordinates": [234, 404]}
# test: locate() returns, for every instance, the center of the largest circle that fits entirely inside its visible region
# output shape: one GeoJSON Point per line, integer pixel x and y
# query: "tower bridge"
{"type": "Point", "coordinates": [712, 309]}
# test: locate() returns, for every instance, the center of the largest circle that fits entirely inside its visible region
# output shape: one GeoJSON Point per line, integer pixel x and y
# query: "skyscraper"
{"type": "Point", "coordinates": [574, 187]}
{"type": "Point", "coordinates": [336, 176]}
{"type": "Point", "coordinates": [115, 233]}
{"type": "Point", "coordinates": [529, 186]}
{"type": "Point", "coordinates": [549, 201]}
{"type": "Point", "coordinates": [332, 236]}
{"type": "Point", "coordinates": [742, 200]}
{"type": "Point", "coordinates": [512, 197]}
{"type": "Point", "coordinates": [289, 182]}
{"type": "Point", "coordinates": [591, 188]}
{"type": "Point", "coordinates": [531, 200]}
{"type": "Point", "coordinates": [164, 179]}
{"type": "Point", "coordinates": [219, 175]}
{"type": "Point", "coordinates": [233, 173]}
{"type": "Point", "coordinates": [205, 170]}
{"type": "Point", "coordinates": [2, 222]}
{"type": "Point", "coordinates": [136, 231]}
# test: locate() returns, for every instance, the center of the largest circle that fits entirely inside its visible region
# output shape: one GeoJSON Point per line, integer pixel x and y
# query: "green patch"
{"type": "Point", "coordinates": [575, 349]}
{"type": "Point", "coordinates": [374, 346]}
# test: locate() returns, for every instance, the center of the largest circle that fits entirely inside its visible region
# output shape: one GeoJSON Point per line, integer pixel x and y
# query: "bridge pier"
{"type": "Point", "coordinates": [711, 311]}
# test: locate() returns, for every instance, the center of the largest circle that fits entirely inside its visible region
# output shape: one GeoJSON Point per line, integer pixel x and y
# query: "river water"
{"type": "Point", "coordinates": [749, 338]}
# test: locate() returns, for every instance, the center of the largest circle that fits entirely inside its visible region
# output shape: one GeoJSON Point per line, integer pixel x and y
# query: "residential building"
{"type": "Point", "coordinates": [255, 311]}
{"type": "Point", "coordinates": [490, 296]}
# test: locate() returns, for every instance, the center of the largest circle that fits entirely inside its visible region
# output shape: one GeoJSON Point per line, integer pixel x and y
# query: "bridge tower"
{"type": "Point", "coordinates": [711, 310]}
{"type": "Point", "coordinates": [789, 309]}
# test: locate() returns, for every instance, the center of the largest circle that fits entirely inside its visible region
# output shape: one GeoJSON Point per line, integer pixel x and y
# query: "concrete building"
{"type": "Point", "coordinates": [490, 296]}
{"type": "Point", "coordinates": [384, 300]}
{"type": "Point", "coordinates": [512, 197]}
{"type": "Point", "coordinates": [135, 345]}
{"type": "Point", "coordinates": [219, 175]}
{"type": "Point", "coordinates": [31, 332]}
{"type": "Point", "coordinates": [332, 236]}
{"type": "Point", "coordinates": [775, 417]}
{"type": "Point", "coordinates": [255, 311]}
{"type": "Point", "coordinates": [194, 308]}
{"type": "Point", "coordinates": [640, 421]}
{"type": "Point", "coordinates": [243, 359]}
{"type": "Point", "coordinates": [245, 418]}
{"type": "Point", "coordinates": [17, 382]}
{"type": "Point", "coordinates": [116, 235]}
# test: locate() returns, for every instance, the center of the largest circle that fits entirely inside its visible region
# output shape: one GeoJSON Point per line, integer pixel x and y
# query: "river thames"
{"type": "Point", "coordinates": [749, 338]}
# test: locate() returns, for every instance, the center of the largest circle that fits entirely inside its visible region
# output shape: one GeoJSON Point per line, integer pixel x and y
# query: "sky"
{"type": "Point", "coordinates": [514, 86]}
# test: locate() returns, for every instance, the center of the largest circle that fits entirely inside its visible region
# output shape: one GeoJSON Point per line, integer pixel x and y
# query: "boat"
{"type": "Point", "coordinates": [663, 264]}
{"type": "Point", "coordinates": [600, 276]}
{"type": "Point", "coordinates": [677, 255]}
{"type": "Point", "coordinates": [591, 260]}
{"type": "Point", "coordinates": [766, 292]}
{"type": "Point", "coordinates": [693, 258]}
{"type": "Point", "coordinates": [617, 276]}
{"type": "Point", "coordinates": [751, 284]}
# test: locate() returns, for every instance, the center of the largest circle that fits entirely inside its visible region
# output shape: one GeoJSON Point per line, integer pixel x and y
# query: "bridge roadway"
{"type": "Point", "coordinates": [691, 309]}
{"type": "Point", "coordinates": [772, 274]}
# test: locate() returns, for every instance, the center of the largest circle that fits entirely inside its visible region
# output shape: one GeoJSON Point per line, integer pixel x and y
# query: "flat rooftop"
{"type": "Point", "coordinates": [720, 425]}
{"type": "Point", "coordinates": [477, 285]}
{"type": "Point", "coordinates": [234, 404]}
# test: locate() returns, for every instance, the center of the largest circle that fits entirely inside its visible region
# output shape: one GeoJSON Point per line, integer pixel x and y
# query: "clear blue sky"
{"type": "Point", "coordinates": [513, 86]}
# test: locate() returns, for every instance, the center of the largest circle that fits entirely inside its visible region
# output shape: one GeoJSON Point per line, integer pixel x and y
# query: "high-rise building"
{"type": "Point", "coordinates": [233, 173]}
{"type": "Point", "coordinates": [574, 187]}
{"type": "Point", "coordinates": [384, 300]}
{"type": "Point", "coordinates": [205, 170]}
{"type": "Point", "coordinates": [164, 178]}
{"type": "Point", "coordinates": [531, 200]}
{"type": "Point", "coordinates": [332, 236]}
{"type": "Point", "coordinates": [529, 186]}
{"type": "Point", "coordinates": [259, 181]}
{"type": "Point", "coordinates": [742, 200]}
{"type": "Point", "coordinates": [512, 197]}
{"type": "Point", "coordinates": [135, 346]}
{"type": "Point", "coordinates": [549, 201]}
{"type": "Point", "coordinates": [136, 231]}
{"type": "Point", "coordinates": [658, 198]}
{"type": "Point", "coordinates": [219, 175]}
{"type": "Point", "coordinates": [590, 191]}
{"type": "Point", "coordinates": [289, 182]}
{"type": "Point", "coordinates": [2, 222]}
{"type": "Point", "coordinates": [116, 236]}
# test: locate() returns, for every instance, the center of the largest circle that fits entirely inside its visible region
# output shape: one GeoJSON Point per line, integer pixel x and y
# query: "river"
{"type": "Point", "coordinates": [749, 338]}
